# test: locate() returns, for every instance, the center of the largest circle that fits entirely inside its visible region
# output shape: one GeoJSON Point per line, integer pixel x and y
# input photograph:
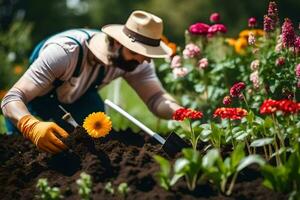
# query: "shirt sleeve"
{"type": "Point", "coordinates": [50, 65]}
{"type": "Point", "coordinates": [145, 82]}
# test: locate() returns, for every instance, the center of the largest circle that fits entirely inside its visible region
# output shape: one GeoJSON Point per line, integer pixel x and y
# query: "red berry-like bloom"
{"type": "Point", "coordinates": [230, 113]}
{"type": "Point", "coordinates": [215, 17]}
{"type": "Point", "coordinates": [252, 22]}
{"type": "Point", "coordinates": [269, 106]}
{"type": "Point", "coordinates": [297, 42]}
{"type": "Point", "coordinates": [280, 61]}
{"type": "Point", "coordinates": [288, 33]}
{"type": "Point", "coordinates": [199, 29]}
{"type": "Point", "coordinates": [268, 24]}
{"type": "Point", "coordinates": [237, 88]}
{"type": "Point", "coordinates": [227, 100]}
{"type": "Point", "coordinates": [273, 13]}
{"type": "Point", "coordinates": [186, 113]}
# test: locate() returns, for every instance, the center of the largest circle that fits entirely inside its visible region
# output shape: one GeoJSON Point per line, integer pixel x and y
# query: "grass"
{"type": "Point", "coordinates": [131, 103]}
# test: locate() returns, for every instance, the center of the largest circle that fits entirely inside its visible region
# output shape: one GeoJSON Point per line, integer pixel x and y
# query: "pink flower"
{"type": "Point", "coordinates": [227, 100]}
{"type": "Point", "coordinates": [252, 22]}
{"type": "Point", "coordinates": [203, 63]}
{"type": "Point", "coordinates": [176, 62]}
{"type": "Point", "coordinates": [254, 65]}
{"type": "Point", "coordinates": [191, 50]}
{"type": "Point", "coordinates": [214, 17]}
{"type": "Point", "coordinates": [180, 72]}
{"type": "Point", "coordinates": [216, 28]}
{"type": "Point", "coordinates": [297, 70]}
{"type": "Point", "coordinates": [288, 33]}
{"type": "Point", "coordinates": [280, 61]}
{"type": "Point", "coordinates": [199, 29]}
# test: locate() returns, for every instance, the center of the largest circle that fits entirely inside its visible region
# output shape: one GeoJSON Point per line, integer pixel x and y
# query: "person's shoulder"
{"type": "Point", "coordinates": [144, 68]}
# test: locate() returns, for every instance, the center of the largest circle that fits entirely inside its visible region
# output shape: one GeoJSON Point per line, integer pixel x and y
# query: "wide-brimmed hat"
{"type": "Point", "coordinates": [142, 34]}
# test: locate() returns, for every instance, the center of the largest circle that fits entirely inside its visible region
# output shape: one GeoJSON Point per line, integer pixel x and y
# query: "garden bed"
{"type": "Point", "coordinates": [120, 157]}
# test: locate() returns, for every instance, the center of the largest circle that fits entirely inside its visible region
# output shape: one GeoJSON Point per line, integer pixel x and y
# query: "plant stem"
{"type": "Point", "coordinates": [266, 153]}
{"type": "Point", "coordinates": [280, 136]}
{"type": "Point", "coordinates": [248, 147]}
{"type": "Point", "coordinates": [230, 131]}
{"type": "Point", "coordinates": [245, 100]}
{"type": "Point", "coordinates": [193, 139]}
{"type": "Point", "coordinates": [229, 191]}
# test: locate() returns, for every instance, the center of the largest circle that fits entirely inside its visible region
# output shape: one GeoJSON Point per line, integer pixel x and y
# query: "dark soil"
{"type": "Point", "coordinates": [120, 157]}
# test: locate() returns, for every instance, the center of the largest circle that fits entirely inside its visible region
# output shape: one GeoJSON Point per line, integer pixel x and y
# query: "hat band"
{"type": "Point", "coordinates": [140, 38]}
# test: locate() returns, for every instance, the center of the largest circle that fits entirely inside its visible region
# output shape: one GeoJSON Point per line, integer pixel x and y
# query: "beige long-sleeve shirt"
{"type": "Point", "coordinates": [57, 60]}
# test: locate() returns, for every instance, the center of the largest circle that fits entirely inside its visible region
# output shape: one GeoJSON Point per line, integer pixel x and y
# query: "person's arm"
{"type": "Point", "coordinates": [50, 65]}
{"type": "Point", "coordinates": [149, 88]}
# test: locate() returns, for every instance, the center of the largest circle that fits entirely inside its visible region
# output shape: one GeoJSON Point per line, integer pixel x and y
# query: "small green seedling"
{"type": "Point", "coordinates": [84, 186]}
{"type": "Point", "coordinates": [109, 188]}
{"type": "Point", "coordinates": [123, 189]}
{"type": "Point", "coordinates": [47, 192]}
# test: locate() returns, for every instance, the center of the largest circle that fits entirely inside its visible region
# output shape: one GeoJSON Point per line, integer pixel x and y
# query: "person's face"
{"type": "Point", "coordinates": [128, 60]}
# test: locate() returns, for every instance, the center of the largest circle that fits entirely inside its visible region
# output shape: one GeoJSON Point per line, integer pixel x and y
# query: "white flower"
{"type": "Point", "coordinates": [254, 65]}
{"type": "Point", "coordinates": [251, 39]}
{"type": "Point", "coordinates": [254, 78]}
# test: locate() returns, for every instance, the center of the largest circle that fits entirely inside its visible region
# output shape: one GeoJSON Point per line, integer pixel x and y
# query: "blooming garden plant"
{"type": "Point", "coordinates": [249, 91]}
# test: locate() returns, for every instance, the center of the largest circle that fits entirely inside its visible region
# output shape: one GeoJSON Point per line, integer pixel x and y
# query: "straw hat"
{"type": "Point", "coordinates": [142, 34]}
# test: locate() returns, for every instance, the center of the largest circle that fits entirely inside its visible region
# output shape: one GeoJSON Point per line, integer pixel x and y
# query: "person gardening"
{"type": "Point", "coordinates": [70, 67]}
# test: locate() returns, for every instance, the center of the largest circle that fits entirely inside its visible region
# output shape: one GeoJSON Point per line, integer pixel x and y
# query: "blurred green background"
{"type": "Point", "coordinates": [49, 17]}
{"type": "Point", "coordinates": [23, 23]}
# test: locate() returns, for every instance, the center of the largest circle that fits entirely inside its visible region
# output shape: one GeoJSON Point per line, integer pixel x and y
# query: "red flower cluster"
{"type": "Point", "coordinates": [237, 88]}
{"type": "Point", "coordinates": [185, 113]}
{"type": "Point", "coordinates": [230, 113]}
{"type": "Point", "coordinates": [270, 106]}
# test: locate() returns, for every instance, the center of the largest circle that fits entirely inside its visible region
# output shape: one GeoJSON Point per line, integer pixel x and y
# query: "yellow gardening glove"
{"type": "Point", "coordinates": [42, 134]}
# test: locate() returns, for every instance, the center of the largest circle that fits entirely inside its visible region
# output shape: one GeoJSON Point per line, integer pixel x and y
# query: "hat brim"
{"type": "Point", "coordinates": [116, 31]}
{"type": "Point", "coordinates": [93, 45]}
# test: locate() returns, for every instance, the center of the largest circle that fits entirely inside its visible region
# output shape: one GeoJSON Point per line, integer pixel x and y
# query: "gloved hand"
{"type": "Point", "coordinates": [42, 134]}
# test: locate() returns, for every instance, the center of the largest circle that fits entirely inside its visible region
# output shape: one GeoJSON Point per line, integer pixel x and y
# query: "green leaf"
{"type": "Point", "coordinates": [210, 157]}
{"type": "Point", "coordinates": [250, 117]}
{"type": "Point", "coordinates": [251, 159]}
{"type": "Point", "coordinates": [261, 142]}
{"type": "Point", "coordinates": [268, 122]}
{"type": "Point", "coordinates": [199, 88]}
{"type": "Point", "coordinates": [175, 178]}
{"type": "Point", "coordinates": [180, 164]}
{"type": "Point", "coordinates": [165, 166]}
{"type": "Point", "coordinates": [237, 155]}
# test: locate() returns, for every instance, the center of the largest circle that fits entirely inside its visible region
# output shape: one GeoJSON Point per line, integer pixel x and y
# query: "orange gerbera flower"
{"type": "Point", "coordinates": [240, 45]}
{"type": "Point", "coordinates": [97, 124]}
{"type": "Point", "coordinates": [230, 41]}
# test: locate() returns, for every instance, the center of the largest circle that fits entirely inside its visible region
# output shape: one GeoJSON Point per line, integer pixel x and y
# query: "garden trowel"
{"type": "Point", "coordinates": [172, 145]}
{"type": "Point", "coordinates": [68, 117]}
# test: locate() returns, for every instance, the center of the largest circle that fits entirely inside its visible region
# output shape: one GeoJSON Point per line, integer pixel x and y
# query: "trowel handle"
{"type": "Point", "coordinates": [135, 121]}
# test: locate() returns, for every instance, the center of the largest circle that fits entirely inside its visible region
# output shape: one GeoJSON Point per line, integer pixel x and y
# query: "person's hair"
{"type": "Point", "coordinates": [110, 41]}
